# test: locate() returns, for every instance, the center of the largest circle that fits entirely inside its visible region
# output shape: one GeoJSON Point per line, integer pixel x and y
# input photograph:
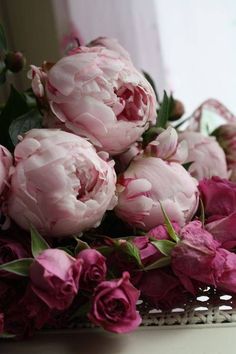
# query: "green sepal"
{"type": "Point", "coordinates": [202, 211]}
{"type": "Point", "coordinates": [38, 244]}
{"type": "Point", "coordinates": [81, 245]}
{"type": "Point", "coordinates": [165, 110]}
{"type": "Point", "coordinates": [160, 263]}
{"type": "Point", "coordinates": [19, 266]}
{"type": "Point", "coordinates": [129, 248]}
{"type": "Point", "coordinates": [164, 246]}
{"type": "Point", "coordinates": [169, 226]}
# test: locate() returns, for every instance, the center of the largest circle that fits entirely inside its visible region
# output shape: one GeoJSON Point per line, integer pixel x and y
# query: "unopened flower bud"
{"type": "Point", "coordinates": [177, 111]}
{"type": "Point", "coordinates": [15, 61]}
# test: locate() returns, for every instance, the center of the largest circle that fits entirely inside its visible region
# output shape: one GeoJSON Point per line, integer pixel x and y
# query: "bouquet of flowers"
{"type": "Point", "coordinates": [103, 201]}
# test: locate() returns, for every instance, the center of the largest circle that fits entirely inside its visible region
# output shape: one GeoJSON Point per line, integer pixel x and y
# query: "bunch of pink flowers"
{"type": "Point", "coordinates": [100, 205]}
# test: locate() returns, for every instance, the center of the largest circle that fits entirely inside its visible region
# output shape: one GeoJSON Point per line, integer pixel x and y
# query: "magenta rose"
{"type": "Point", "coordinates": [55, 278]}
{"type": "Point", "coordinates": [199, 257]}
{"type": "Point", "coordinates": [114, 305]}
{"type": "Point", "coordinates": [1, 323]}
{"type": "Point", "coordinates": [219, 199]}
{"type": "Point", "coordinates": [93, 269]}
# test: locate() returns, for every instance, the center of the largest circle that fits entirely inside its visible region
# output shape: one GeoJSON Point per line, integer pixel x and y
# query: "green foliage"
{"type": "Point", "coordinates": [165, 110]}
{"type": "Point", "coordinates": [38, 244]}
{"type": "Point", "coordinates": [169, 226]}
{"type": "Point", "coordinates": [19, 267]}
{"type": "Point", "coordinates": [129, 248]}
{"type": "Point", "coordinates": [160, 263]}
{"type": "Point", "coordinates": [164, 246]}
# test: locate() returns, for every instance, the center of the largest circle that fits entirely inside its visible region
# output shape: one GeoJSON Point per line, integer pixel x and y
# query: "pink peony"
{"type": "Point", "coordinates": [98, 94]}
{"type": "Point", "coordinates": [55, 278]}
{"type": "Point", "coordinates": [114, 305]}
{"type": "Point", "coordinates": [199, 257]}
{"type": "Point", "coordinates": [207, 157]}
{"type": "Point", "coordinates": [93, 270]}
{"type": "Point", "coordinates": [1, 323]}
{"type": "Point", "coordinates": [150, 180]}
{"type": "Point", "coordinates": [60, 184]}
{"type": "Point", "coordinates": [5, 165]}
{"type": "Point", "coordinates": [111, 44]}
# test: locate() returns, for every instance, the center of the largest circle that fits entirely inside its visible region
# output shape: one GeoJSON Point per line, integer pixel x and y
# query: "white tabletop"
{"type": "Point", "coordinates": [199, 339]}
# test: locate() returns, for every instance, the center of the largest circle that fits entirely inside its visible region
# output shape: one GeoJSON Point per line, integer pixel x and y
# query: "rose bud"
{"type": "Point", "coordinates": [15, 61]}
{"type": "Point", "coordinates": [5, 165]}
{"type": "Point", "coordinates": [149, 181]}
{"type": "Point", "coordinates": [177, 111]}
{"type": "Point", "coordinates": [1, 323]}
{"type": "Point", "coordinates": [114, 305]}
{"type": "Point", "coordinates": [199, 257]}
{"type": "Point", "coordinates": [219, 200]}
{"type": "Point", "coordinates": [93, 270]}
{"type": "Point", "coordinates": [60, 184]}
{"type": "Point", "coordinates": [205, 154]}
{"type": "Point", "coordinates": [226, 137]}
{"type": "Point", "coordinates": [98, 94]}
{"type": "Point", "coordinates": [55, 278]}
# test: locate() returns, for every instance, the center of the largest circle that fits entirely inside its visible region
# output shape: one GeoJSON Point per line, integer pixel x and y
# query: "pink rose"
{"type": "Point", "coordinates": [60, 184]}
{"type": "Point", "coordinates": [162, 288]}
{"type": "Point", "coordinates": [10, 250]}
{"type": "Point", "coordinates": [93, 270]}
{"type": "Point", "coordinates": [112, 44]}
{"type": "Point", "coordinates": [206, 155]}
{"type": "Point", "coordinates": [150, 180]}
{"type": "Point", "coordinates": [114, 305]}
{"type": "Point", "coordinates": [98, 94]}
{"type": "Point", "coordinates": [226, 137]}
{"type": "Point", "coordinates": [219, 199]}
{"type": "Point", "coordinates": [199, 257]}
{"type": "Point", "coordinates": [5, 165]}
{"type": "Point", "coordinates": [1, 323]}
{"type": "Point", "coordinates": [55, 278]}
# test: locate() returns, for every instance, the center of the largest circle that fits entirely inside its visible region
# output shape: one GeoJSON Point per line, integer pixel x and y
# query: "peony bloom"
{"type": "Point", "coordinates": [219, 199]}
{"type": "Point", "coordinates": [93, 270]}
{"type": "Point", "coordinates": [5, 165]}
{"type": "Point", "coordinates": [207, 157]}
{"type": "Point", "coordinates": [98, 94]}
{"type": "Point", "coordinates": [124, 159]}
{"type": "Point", "coordinates": [60, 184]}
{"type": "Point", "coordinates": [199, 257]}
{"type": "Point", "coordinates": [114, 305]}
{"type": "Point", "coordinates": [111, 44]}
{"type": "Point", "coordinates": [226, 137]}
{"type": "Point", "coordinates": [149, 181]}
{"type": "Point", "coordinates": [55, 278]}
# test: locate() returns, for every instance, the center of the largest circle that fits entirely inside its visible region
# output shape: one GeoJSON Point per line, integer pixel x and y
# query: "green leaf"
{"type": "Point", "coordinates": [81, 245]}
{"type": "Point", "coordinates": [187, 165]}
{"type": "Point", "coordinates": [105, 250]}
{"type": "Point", "coordinates": [202, 215]}
{"type": "Point", "coordinates": [15, 107]}
{"type": "Point", "coordinates": [19, 267]}
{"type": "Point", "coordinates": [38, 244]}
{"type": "Point", "coordinates": [131, 250]}
{"type": "Point", "coordinates": [151, 82]}
{"type": "Point", "coordinates": [7, 335]}
{"type": "Point", "coordinates": [3, 40]}
{"type": "Point", "coordinates": [164, 246]}
{"type": "Point", "coordinates": [22, 124]}
{"type": "Point", "coordinates": [165, 110]}
{"type": "Point", "coordinates": [160, 263]}
{"type": "Point", "coordinates": [169, 226]}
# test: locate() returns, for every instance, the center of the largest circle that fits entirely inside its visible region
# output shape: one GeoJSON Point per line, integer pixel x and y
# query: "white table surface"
{"type": "Point", "coordinates": [199, 339]}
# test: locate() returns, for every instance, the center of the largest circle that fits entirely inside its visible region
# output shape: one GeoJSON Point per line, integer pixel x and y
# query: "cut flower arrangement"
{"type": "Point", "coordinates": [103, 201]}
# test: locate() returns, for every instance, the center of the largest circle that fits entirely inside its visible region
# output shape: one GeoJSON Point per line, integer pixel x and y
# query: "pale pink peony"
{"type": "Point", "coordinates": [112, 44]}
{"type": "Point", "coordinates": [150, 181]}
{"type": "Point", "coordinates": [98, 94]}
{"type": "Point", "coordinates": [5, 165]}
{"type": "Point", "coordinates": [206, 155]}
{"type": "Point", "coordinates": [60, 184]}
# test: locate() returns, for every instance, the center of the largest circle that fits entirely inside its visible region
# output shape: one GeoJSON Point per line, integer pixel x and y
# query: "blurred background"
{"type": "Point", "coordinates": [187, 46]}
